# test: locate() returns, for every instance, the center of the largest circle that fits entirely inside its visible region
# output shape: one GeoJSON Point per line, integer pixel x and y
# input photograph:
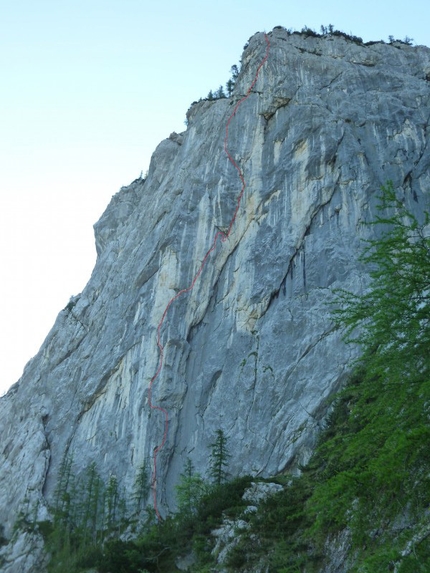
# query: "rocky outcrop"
{"type": "Point", "coordinates": [228, 535]}
{"type": "Point", "coordinates": [251, 349]}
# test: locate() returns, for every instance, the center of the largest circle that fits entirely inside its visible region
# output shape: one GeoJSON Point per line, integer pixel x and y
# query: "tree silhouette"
{"type": "Point", "coordinates": [219, 457]}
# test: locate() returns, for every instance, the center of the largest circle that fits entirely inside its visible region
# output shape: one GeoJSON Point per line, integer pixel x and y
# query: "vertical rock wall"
{"type": "Point", "coordinates": [251, 349]}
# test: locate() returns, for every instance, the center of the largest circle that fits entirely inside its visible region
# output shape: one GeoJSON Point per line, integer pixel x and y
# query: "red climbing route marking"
{"type": "Point", "coordinates": [219, 235]}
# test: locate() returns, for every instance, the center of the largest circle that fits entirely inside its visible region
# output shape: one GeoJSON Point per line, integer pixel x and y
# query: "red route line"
{"type": "Point", "coordinates": [224, 237]}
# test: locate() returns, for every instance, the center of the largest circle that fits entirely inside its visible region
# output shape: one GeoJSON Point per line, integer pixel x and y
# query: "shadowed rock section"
{"type": "Point", "coordinates": [251, 349]}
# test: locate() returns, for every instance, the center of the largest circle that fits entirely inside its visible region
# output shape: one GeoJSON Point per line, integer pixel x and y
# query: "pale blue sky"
{"type": "Point", "coordinates": [88, 89]}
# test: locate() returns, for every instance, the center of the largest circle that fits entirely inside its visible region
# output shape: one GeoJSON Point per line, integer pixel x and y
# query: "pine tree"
{"type": "Point", "coordinates": [219, 94]}
{"type": "Point", "coordinates": [63, 511]}
{"type": "Point", "coordinates": [189, 490]}
{"type": "Point", "coordinates": [219, 457]}
{"type": "Point", "coordinates": [234, 72]}
{"type": "Point", "coordinates": [111, 502]}
{"type": "Point", "coordinates": [141, 488]}
{"type": "Point", "coordinates": [62, 490]}
{"type": "Point", "coordinates": [92, 499]}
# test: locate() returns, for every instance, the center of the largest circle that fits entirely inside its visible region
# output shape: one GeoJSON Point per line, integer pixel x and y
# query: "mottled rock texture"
{"type": "Point", "coordinates": [251, 349]}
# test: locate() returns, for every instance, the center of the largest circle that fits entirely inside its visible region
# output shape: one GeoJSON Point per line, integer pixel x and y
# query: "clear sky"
{"type": "Point", "coordinates": [88, 88]}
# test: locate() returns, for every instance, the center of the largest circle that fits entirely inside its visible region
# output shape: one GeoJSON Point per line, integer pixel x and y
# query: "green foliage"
{"type": "Point", "coordinates": [111, 502]}
{"type": "Point", "coordinates": [141, 489]}
{"type": "Point", "coordinates": [309, 32]}
{"type": "Point", "coordinates": [220, 500]}
{"type": "Point", "coordinates": [375, 469]}
{"type": "Point", "coordinates": [119, 556]}
{"type": "Point", "coordinates": [89, 499]}
{"type": "Point", "coordinates": [89, 515]}
{"type": "Point", "coordinates": [327, 30]}
{"type": "Point", "coordinates": [391, 321]}
{"type": "Point", "coordinates": [369, 479]}
{"type": "Point", "coordinates": [330, 31]}
{"type": "Point", "coordinates": [220, 93]}
{"type": "Point", "coordinates": [3, 540]}
{"type": "Point", "coordinates": [62, 497]}
{"type": "Point", "coordinates": [370, 474]}
{"type": "Point", "coordinates": [218, 461]}
{"type": "Point", "coordinates": [373, 460]}
{"type": "Point", "coordinates": [407, 41]}
{"type": "Point", "coordinates": [234, 70]}
{"type": "Point", "coordinates": [189, 490]}
{"type": "Point", "coordinates": [230, 87]}
{"type": "Point", "coordinates": [186, 531]}
{"type": "Point", "coordinates": [276, 532]}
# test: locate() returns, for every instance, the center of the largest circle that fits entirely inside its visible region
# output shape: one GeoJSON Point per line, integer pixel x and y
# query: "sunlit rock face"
{"type": "Point", "coordinates": [251, 349]}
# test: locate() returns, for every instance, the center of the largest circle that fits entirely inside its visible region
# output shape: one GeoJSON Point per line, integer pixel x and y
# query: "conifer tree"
{"type": "Point", "coordinates": [62, 490]}
{"type": "Point", "coordinates": [111, 502]}
{"type": "Point", "coordinates": [92, 499]}
{"type": "Point", "coordinates": [219, 457]}
{"type": "Point", "coordinates": [219, 94]}
{"type": "Point", "coordinates": [189, 490]}
{"type": "Point", "coordinates": [141, 488]}
{"type": "Point", "coordinates": [234, 72]}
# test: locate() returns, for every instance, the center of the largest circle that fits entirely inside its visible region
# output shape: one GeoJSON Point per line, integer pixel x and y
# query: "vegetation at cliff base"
{"type": "Point", "coordinates": [365, 492]}
{"type": "Point", "coordinates": [367, 487]}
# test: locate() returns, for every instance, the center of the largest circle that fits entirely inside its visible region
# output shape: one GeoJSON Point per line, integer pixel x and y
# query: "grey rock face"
{"type": "Point", "coordinates": [251, 348]}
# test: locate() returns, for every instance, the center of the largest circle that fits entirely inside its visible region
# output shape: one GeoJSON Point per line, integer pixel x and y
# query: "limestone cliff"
{"type": "Point", "coordinates": [251, 349]}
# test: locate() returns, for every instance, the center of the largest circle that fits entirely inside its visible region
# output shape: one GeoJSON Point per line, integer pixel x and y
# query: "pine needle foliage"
{"type": "Point", "coordinates": [373, 462]}
{"type": "Point", "coordinates": [141, 489]}
{"type": "Point", "coordinates": [218, 460]}
{"type": "Point", "coordinates": [391, 320]}
{"type": "Point", "coordinates": [189, 490]}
